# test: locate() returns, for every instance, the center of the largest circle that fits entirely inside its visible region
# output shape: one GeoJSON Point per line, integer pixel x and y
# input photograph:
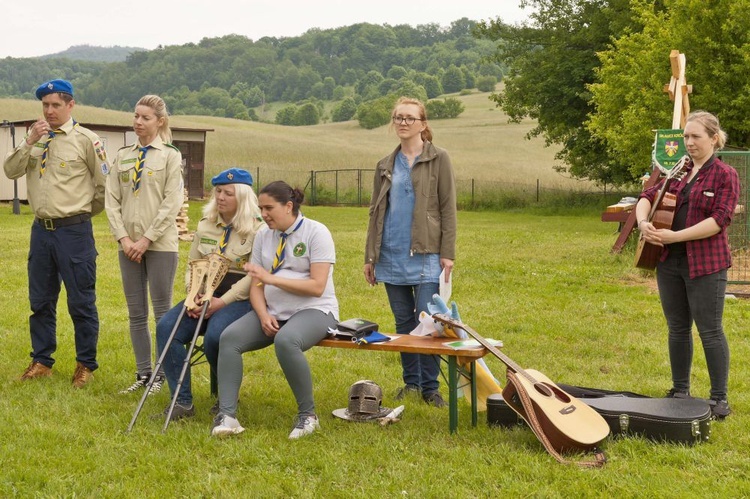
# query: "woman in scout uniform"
{"type": "Point", "coordinates": [231, 220]}
{"type": "Point", "coordinates": [294, 304]}
{"type": "Point", "coordinates": [144, 195]}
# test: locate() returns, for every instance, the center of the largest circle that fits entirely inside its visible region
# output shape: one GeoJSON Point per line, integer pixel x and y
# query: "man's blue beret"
{"type": "Point", "coordinates": [233, 176]}
{"type": "Point", "coordinates": [53, 87]}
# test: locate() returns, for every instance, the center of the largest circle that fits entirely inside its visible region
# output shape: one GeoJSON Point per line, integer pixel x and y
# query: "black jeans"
{"type": "Point", "coordinates": [685, 300]}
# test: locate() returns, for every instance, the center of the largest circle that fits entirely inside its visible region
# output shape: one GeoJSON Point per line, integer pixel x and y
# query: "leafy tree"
{"type": "Point", "coordinates": [486, 83]}
{"type": "Point", "coordinates": [551, 63]}
{"type": "Point", "coordinates": [375, 113]}
{"type": "Point", "coordinates": [338, 92]}
{"type": "Point", "coordinates": [307, 114]}
{"type": "Point", "coordinates": [286, 115]}
{"type": "Point", "coordinates": [629, 98]}
{"type": "Point", "coordinates": [396, 72]}
{"type": "Point", "coordinates": [344, 111]}
{"type": "Point", "coordinates": [450, 107]}
{"type": "Point", "coordinates": [329, 85]}
{"type": "Point", "coordinates": [453, 80]}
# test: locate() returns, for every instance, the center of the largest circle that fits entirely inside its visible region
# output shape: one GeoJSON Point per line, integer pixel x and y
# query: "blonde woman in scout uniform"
{"type": "Point", "coordinates": [229, 224]}
{"type": "Point", "coordinates": [144, 195]}
{"type": "Point", "coordinates": [65, 167]}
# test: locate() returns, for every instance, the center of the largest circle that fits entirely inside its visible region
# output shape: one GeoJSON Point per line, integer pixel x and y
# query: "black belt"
{"type": "Point", "coordinates": [54, 223]}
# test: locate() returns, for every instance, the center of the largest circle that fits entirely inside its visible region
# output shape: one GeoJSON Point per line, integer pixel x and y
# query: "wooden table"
{"type": "Point", "coordinates": [405, 343]}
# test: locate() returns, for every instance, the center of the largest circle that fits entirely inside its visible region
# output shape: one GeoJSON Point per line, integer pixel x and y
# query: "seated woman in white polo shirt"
{"type": "Point", "coordinates": [294, 304]}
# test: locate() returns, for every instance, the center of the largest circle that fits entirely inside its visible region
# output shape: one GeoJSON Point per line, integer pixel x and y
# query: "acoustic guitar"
{"type": "Point", "coordinates": [567, 422]}
{"type": "Point", "coordinates": [661, 216]}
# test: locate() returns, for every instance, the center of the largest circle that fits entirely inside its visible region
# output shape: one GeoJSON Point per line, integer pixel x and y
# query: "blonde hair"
{"type": "Point", "coordinates": [247, 212]}
{"type": "Point", "coordinates": [711, 124]}
{"type": "Point", "coordinates": [160, 110]}
{"type": "Point", "coordinates": [427, 132]}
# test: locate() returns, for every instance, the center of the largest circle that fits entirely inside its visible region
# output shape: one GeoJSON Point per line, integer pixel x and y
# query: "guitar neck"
{"type": "Point", "coordinates": [486, 344]}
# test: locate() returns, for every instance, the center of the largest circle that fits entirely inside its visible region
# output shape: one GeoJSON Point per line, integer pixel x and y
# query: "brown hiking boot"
{"type": "Point", "coordinates": [82, 376]}
{"type": "Point", "coordinates": [36, 370]}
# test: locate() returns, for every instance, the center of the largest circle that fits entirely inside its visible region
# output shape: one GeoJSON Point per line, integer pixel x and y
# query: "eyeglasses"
{"type": "Point", "coordinates": [397, 120]}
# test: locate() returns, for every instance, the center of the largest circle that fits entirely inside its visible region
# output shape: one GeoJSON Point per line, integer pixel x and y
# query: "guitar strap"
{"type": "Point", "coordinates": [529, 415]}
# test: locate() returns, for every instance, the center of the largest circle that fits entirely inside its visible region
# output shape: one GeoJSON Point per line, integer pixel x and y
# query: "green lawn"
{"type": "Point", "coordinates": [545, 285]}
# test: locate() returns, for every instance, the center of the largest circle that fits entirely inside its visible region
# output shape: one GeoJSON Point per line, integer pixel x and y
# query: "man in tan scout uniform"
{"type": "Point", "coordinates": [65, 167]}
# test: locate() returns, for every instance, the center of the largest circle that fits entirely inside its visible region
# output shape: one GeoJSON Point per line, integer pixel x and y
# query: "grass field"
{"type": "Point", "coordinates": [481, 142]}
{"type": "Point", "coordinates": [544, 284]}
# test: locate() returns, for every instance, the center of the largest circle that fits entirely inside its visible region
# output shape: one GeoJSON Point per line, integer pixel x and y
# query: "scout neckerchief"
{"type": "Point", "coordinates": [139, 169]}
{"type": "Point", "coordinates": [225, 237]}
{"type": "Point", "coordinates": [278, 259]}
{"type": "Point", "coordinates": [50, 136]}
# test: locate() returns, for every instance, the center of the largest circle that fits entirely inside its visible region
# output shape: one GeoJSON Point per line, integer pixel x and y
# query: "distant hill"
{"type": "Point", "coordinates": [94, 54]}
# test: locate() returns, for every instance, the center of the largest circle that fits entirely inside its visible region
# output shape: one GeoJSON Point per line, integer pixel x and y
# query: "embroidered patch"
{"type": "Point", "coordinates": [105, 168]}
{"type": "Point", "coordinates": [206, 240]}
{"type": "Point", "coordinates": [299, 249]}
{"type": "Point", "coordinates": [129, 160]}
{"type": "Point", "coordinates": [124, 177]}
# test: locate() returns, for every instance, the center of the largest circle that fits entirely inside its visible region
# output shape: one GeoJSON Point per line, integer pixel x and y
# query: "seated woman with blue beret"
{"type": "Point", "coordinates": [229, 224]}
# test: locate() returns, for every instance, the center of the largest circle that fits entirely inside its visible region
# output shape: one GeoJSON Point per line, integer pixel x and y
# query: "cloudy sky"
{"type": "Point", "coordinates": [28, 30]}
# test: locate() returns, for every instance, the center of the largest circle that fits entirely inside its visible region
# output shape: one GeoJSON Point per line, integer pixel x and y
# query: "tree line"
{"type": "Point", "coordinates": [232, 76]}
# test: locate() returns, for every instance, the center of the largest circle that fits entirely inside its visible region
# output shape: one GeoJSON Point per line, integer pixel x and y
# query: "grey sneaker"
{"type": "Point", "coordinates": [674, 393]}
{"type": "Point", "coordinates": [405, 391]}
{"type": "Point", "coordinates": [305, 425]}
{"type": "Point", "coordinates": [434, 399]}
{"type": "Point", "coordinates": [140, 382]}
{"type": "Point", "coordinates": [226, 425]}
{"type": "Point", "coordinates": [180, 412]}
{"type": "Point", "coordinates": [719, 408]}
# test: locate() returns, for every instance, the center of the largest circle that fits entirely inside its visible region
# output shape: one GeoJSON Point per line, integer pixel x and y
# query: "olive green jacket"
{"type": "Point", "coordinates": [433, 228]}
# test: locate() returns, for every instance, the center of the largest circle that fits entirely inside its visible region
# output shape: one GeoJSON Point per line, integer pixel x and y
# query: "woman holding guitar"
{"type": "Point", "coordinates": [692, 271]}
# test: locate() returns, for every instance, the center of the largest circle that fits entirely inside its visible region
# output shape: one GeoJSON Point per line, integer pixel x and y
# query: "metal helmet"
{"type": "Point", "coordinates": [365, 397]}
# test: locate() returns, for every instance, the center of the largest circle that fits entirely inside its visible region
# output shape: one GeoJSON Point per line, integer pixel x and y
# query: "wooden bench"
{"type": "Point", "coordinates": [428, 345]}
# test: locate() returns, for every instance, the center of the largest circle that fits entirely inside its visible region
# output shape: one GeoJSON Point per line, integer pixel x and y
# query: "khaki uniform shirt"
{"type": "Point", "coordinates": [74, 179]}
{"type": "Point", "coordinates": [206, 241]}
{"type": "Point", "coordinates": [151, 213]}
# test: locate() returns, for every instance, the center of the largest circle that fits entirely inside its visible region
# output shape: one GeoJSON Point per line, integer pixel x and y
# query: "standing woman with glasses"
{"type": "Point", "coordinates": [143, 197]}
{"type": "Point", "coordinates": [411, 236]}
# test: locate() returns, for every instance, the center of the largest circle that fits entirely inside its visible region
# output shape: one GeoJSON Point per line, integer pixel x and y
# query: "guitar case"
{"type": "Point", "coordinates": [685, 421]}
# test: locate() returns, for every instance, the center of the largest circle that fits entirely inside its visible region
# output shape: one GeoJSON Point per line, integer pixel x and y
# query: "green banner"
{"type": "Point", "coordinates": [669, 147]}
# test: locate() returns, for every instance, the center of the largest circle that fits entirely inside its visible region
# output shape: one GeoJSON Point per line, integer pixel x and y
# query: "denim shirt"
{"type": "Point", "coordinates": [397, 265]}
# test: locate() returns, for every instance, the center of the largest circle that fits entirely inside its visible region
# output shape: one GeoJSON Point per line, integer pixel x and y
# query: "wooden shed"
{"type": "Point", "coordinates": [190, 141]}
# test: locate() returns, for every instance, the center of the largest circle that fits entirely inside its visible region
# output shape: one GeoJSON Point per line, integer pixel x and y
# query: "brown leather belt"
{"type": "Point", "coordinates": [54, 223]}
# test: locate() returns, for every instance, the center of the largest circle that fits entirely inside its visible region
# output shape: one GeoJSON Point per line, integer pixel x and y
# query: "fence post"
{"type": "Point", "coordinates": [473, 205]}
{"type": "Point", "coordinates": [537, 190]}
{"type": "Point", "coordinates": [359, 187]}
{"type": "Point", "coordinates": [312, 186]}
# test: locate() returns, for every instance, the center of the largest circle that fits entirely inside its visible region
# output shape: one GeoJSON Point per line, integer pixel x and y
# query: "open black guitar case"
{"type": "Point", "coordinates": [663, 419]}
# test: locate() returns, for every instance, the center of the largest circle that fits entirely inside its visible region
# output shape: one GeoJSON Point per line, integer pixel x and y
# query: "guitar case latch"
{"type": "Point", "coordinates": [624, 423]}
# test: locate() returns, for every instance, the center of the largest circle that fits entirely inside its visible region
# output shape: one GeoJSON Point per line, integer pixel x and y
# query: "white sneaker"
{"type": "Point", "coordinates": [226, 425]}
{"type": "Point", "coordinates": [305, 425]}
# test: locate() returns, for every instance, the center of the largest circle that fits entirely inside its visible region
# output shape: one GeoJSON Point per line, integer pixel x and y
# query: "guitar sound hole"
{"type": "Point", "coordinates": [543, 389]}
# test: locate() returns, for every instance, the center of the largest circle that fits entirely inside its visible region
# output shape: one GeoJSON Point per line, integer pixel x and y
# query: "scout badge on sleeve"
{"type": "Point", "coordinates": [365, 403]}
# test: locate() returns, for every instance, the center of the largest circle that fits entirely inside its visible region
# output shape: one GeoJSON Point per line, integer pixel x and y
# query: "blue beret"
{"type": "Point", "coordinates": [233, 176]}
{"type": "Point", "coordinates": [53, 87]}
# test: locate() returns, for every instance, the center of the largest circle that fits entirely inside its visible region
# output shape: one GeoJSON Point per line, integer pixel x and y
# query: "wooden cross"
{"type": "Point", "coordinates": [678, 91]}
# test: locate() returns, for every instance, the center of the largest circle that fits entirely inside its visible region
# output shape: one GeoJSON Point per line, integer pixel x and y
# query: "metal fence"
{"type": "Point", "coordinates": [739, 235]}
{"type": "Point", "coordinates": [353, 187]}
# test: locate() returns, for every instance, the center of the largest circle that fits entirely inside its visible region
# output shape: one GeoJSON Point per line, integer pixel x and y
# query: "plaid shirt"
{"type": "Point", "coordinates": [714, 194]}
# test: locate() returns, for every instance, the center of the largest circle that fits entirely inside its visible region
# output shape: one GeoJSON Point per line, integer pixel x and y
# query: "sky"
{"type": "Point", "coordinates": [29, 31]}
